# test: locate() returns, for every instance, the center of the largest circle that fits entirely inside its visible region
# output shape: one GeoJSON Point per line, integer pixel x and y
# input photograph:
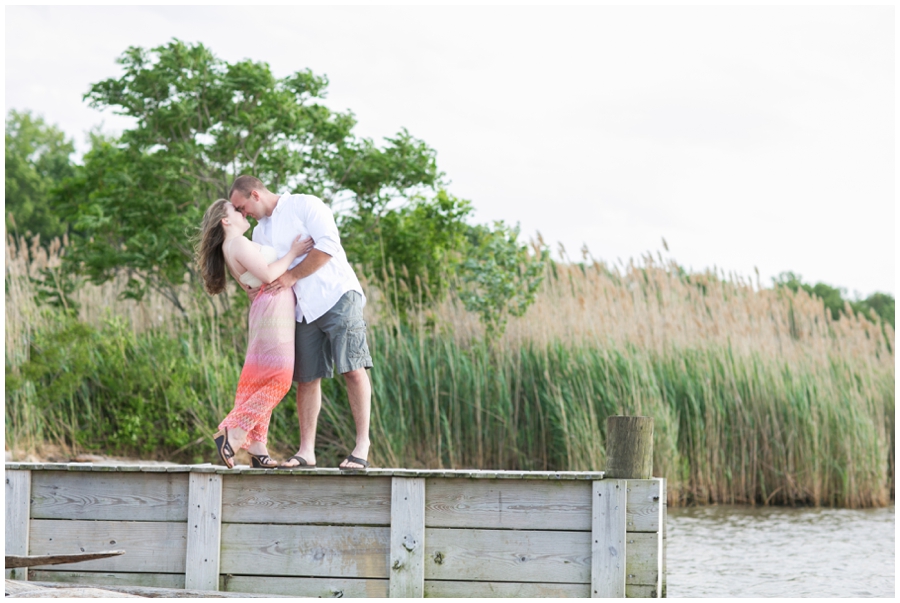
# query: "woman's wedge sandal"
{"type": "Point", "coordinates": [352, 459]}
{"type": "Point", "coordinates": [226, 452]}
{"type": "Point", "coordinates": [261, 461]}
{"type": "Point", "coordinates": [301, 463]}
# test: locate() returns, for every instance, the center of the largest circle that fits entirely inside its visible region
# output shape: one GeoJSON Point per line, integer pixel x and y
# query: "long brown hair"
{"type": "Point", "coordinates": [209, 255]}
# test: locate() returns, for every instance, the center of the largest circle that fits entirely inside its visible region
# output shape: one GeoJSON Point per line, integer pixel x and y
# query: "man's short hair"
{"type": "Point", "coordinates": [245, 184]}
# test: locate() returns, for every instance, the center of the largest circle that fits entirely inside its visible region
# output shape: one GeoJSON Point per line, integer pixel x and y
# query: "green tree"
{"type": "Point", "coordinates": [501, 277]}
{"type": "Point", "coordinates": [414, 248]}
{"type": "Point", "coordinates": [199, 122]}
{"type": "Point", "coordinates": [882, 304]}
{"type": "Point", "coordinates": [37, 159]}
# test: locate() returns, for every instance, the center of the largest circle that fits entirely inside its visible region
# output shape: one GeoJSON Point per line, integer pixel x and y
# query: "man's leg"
{"type": "Point", "coordinates": [309, 403]}
{"type": "Point", "coordinates": [311, 362]}
{"type": "Point", "coordinates": [359, 391]}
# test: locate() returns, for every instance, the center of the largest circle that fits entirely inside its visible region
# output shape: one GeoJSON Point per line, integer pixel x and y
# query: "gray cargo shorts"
{"type": "Point", "coordinates": [337, 338]}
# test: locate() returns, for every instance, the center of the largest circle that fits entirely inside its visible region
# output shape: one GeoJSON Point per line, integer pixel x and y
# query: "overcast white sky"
{"type": "Point", "coordinates": [746, 136]}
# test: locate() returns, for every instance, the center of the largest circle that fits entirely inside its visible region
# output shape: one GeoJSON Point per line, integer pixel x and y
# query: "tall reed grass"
{"type": "Point", "coordinates": [758, 395]}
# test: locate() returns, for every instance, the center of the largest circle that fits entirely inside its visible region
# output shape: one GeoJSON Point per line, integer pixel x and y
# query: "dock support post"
{"type": "Point", "coordinates": [18, 518]}
{"type": "Point", "coordinates": [407, 573]}
{"type": "Point", "coordinates": [204, 532]}
{"type": "Point", "coordinates": [608, 538]}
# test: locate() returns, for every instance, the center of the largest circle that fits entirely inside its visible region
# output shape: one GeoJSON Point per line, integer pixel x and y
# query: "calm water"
{"type": "Point", "coordinates": [731, 551]}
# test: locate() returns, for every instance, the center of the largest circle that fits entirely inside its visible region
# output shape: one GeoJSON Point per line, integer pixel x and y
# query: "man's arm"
{"type": "Point", "coordinates": [314, 260]}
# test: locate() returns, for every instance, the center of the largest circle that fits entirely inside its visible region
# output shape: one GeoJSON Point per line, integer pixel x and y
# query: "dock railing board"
{"type": "Point", "coordinates": [385, 532]}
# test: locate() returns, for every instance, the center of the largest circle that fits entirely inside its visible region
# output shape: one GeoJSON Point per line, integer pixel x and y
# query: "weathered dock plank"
{"type": "Point", "coordinates": [645, 497]}
{"type": "Point", "coordinates": [142, 542]}
{"type": "Point", "coordinates": [514, 505]}
{"type": "Point", "coordinates": [203, 531]}
{"type": "Point", "coordinates": [110, 496]}
{"type": "Point", "coordinates": [642, 559]}
{"type": "Point", "coordinates": [109, 578]}
{"type": "Point", "coordinates": [146, 592]}
{"type": "Point", "coordinates": [608, 548]}
{"type": "Point", "coordinates": [29, 590]}
{"type": "Point", "coordinates": [18, 511]}
{"type": "Point", "coordinates": [464, 589]}
{"type": "Point", "coordinates": [407, 537]}
{"type": "Point", "coordinates": [302, 499]}
{"type": "Point", "coordinates": [306, 587]}
{"type": "Point", "coordinates": [507, 555]}
{"type": "Point", "coordinates": [323, 551]}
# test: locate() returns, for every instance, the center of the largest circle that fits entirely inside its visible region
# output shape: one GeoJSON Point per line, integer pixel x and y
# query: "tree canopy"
{"type": "Point", "coordinates": [199, 122]}
{"type": "Point", "coordinates": [37, 159]}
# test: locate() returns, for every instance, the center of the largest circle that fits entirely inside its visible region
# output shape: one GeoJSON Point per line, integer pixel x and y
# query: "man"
{"type": "Point", "coordinates": [330, 329]}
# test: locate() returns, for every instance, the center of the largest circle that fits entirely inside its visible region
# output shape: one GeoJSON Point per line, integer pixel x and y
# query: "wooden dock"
{"type": "Point", "coordinates": [323, 533]}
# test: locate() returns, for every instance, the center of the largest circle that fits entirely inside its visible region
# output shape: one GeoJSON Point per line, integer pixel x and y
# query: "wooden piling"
{"type": "Point", "coordinates": [629, 447]}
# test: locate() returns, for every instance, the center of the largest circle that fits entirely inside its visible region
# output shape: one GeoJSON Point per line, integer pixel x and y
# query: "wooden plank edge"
{"type": "Point", "coordinates": [386, 472]}
{"type": "Point", "coordinates": [151, 591]}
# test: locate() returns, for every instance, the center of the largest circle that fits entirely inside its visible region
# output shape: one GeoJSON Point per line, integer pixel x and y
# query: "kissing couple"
{"type": "Point", "coordinates": [306, 317]}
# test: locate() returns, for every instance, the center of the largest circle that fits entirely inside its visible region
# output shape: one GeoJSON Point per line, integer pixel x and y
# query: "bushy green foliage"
{"type": "Point", "coordinates": [501, 277]}
{"type": "Point", "coordinates": [413, 249]}
{"type": "Point", "coordinates": [37, 159]}
{"type": "Point", "coordinates": [107, 389]}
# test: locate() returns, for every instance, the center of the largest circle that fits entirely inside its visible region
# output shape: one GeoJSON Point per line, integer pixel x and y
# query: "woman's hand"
{"type": "Point", "coordinates": [301, 246]}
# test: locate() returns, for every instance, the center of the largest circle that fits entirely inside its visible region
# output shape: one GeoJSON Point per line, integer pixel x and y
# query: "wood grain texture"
{"type": "Point", "coordinates": [459, 589]}
{"type": "Point", "coordinates": [204, 530]}
{"type": "Point", "coordinates": [110, 578]}
{"type": "Point", "coordinates": [507, 555]}
{"type": "Point", "coordinates": [36, 591]}
{"type": "Point", "coordinates": [629, 447]}
{"type": "Point", "coordinates": [608, 547]}
{"type": "Point", "coordinates": [167, 593]}
{"type": "Point", "coordinates": [641, 591]}
{"type": "Point", "coordinates": [150, 546]}
{"type": "Point", "coordinates": [18, 511]}
{"type": "Point", "coordinates": [643, 508]}
{"type": "Point", "coordinates": [306, 499]}
{"type": "Point", "coordinates": [642, 560]}
{"type": "Point", "coordinates": [508, 504]}
{"type": "Point", "coordinates": [132, 496]}
{"type": "Point", "coordinates": [407, 559]}
{"type": "Point", "coordinates": [306, 587]}
{"type": "Point", "coordinates": [326, 551]}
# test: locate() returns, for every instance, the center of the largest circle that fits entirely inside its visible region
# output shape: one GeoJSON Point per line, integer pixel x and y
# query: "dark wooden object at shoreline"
{"type": "Point", "coordinates": [13, 561]}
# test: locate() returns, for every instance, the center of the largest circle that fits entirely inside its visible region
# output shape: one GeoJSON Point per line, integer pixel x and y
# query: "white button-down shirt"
{"type": "Point", "coordinates": [306, 215]}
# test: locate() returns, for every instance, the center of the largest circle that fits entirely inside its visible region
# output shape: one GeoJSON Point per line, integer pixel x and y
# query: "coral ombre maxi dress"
{"type": "Point", "coordinates": [269, 366]}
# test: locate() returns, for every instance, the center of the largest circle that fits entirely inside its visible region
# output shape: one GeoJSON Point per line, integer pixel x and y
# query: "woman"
{"type": "Point", "coordinates": [266, 376]}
